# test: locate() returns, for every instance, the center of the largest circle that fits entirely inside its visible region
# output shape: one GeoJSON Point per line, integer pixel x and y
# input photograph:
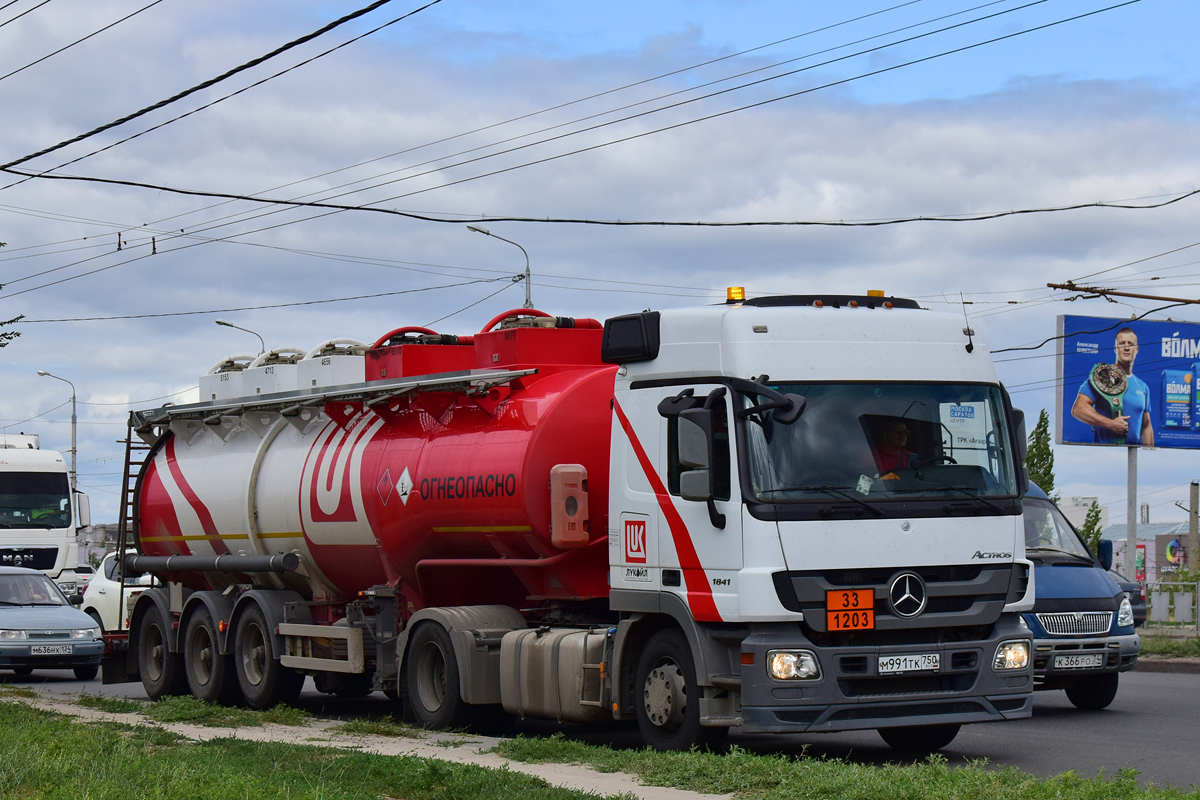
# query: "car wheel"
{"type": "Point", "coordinates": [263, 680]}
{"type": "Point", "coordinates": [919, 738]}
{"type": "Point", "coordinates": [668, 697]}
{"type": "Point", "coordinates": [211, 674]}
{"type": "Point", "coordinates": [161, 670]}
{"type": "Point", "coordinates": [23, 670]}
{"type": "Point", "coordinates": [1094, 693]}
{"type": "Point", "coordinates": [432, 675]}
{"type": "Point", "coordinates": [86, 672]}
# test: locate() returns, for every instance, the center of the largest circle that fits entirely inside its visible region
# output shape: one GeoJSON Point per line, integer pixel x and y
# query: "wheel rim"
{"type": "Point", "coordinates": [431, 676]}
{"type": "Point", "coordinates": [252, 647]}
{"type": "Point", "coordinates": [665, 697]}
{"type": "Point", "coordinates": [156, 652]}
{"type": "Point", "coordinates": [200, 653]}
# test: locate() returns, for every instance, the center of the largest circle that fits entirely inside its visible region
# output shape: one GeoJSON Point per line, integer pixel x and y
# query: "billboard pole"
{"type": "Point", "coordinates": [1131, 514]}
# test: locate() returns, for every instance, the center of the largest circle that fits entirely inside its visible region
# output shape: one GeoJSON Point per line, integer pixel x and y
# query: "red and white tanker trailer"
{"type": "Point", "coordinates": [780, 514]}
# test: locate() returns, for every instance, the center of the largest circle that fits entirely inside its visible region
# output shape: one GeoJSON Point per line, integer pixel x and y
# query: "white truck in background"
{"type": "Point", "coordinates": [38, 516]}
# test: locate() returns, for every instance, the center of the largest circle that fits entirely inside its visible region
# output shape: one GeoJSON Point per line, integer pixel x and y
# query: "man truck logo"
{"type": "Point", "coordinates": [907, 595]}
{"type": "Point", "coordinates": [635, 541]}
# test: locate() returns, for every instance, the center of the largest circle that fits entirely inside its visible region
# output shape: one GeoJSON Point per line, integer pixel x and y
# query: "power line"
{"type": "Point", "coordinates": [210, 82]}
{"type": "Point", "coordinates": [78, 41]}
{"type": "Point", "coordinates": [23, 13]}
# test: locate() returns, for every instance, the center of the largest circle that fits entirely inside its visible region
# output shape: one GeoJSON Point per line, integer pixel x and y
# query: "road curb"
{"type": "Point", "coordinates": [1168, 664]}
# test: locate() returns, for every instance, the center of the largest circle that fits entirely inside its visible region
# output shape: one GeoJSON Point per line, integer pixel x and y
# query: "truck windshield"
{"type": "Point", "coordinates": [888, 441]}
{"type": "Point", "coordinates": [34, 500]}
{"type": "Point", "coordinates": [1047, 531]}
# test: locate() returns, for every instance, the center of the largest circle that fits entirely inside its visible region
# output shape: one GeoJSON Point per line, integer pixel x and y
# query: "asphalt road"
{"type": "Point", "coordinates": [1150, 727]}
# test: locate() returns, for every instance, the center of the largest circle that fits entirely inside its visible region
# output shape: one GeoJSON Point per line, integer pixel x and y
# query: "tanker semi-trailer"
{"type": "Point", "coordinates": [560, 519]}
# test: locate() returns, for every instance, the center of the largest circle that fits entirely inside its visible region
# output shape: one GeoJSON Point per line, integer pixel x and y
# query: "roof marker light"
{"type": "Point", "coordinates": [818, 304]}
{"type": "Point", "coordinates": [735, 293]}
{"type": "Point", "coordinates": [875, 293]}
{"type": "Point", "coordinates": [854, 304]}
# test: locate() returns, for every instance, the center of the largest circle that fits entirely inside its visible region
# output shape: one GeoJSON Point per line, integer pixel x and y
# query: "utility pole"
{"type": "Point", "coordinates": [1193, 551]}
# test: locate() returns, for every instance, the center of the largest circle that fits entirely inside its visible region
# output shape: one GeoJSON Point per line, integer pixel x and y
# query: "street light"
{"type": "Point", "coordinates": [486, 232]}
{"type": "Point", "coordinates": [262, 345]}
{"type": "Point", "coordinates": [74, 425]}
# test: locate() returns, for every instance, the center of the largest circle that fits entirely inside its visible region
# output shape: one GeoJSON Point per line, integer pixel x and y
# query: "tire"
{"type": "Point", "coordinates": [432, 680]}
{"type": "Point", "coordinates": [22, 670]}
{"type": "Point", "coordinates": [668, 697]}
{"type": "Point", "coordinates": [263, 680]}
{"type": "Point", "coordinates": [211, 675]}
{"type": "Point", "coordinates": [87, 672]}
{"type": "Point", "coordinates": [1095, 692]}
{"type": "Point", "coordinates": [161, 670]}
{"type": "Point", "coordinates": [94, 614]}
{"type": "Point", "coordinates": [919, 738]}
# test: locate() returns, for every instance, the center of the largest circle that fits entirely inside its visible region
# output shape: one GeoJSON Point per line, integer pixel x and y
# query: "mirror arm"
{"type": "Point", "coordinates": [715, 517]}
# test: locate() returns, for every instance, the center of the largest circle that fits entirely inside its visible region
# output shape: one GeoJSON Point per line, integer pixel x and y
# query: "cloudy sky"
{"type": "Point", "coordinates": [662, 111]}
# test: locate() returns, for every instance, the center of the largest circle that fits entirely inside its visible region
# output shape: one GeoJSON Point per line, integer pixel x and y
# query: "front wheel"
{"type": "Point", "coordinates": [263, 680]}
{"type": "Point", "coordinates": [432, 678]}
{"type": "Point", "coordinates": [919, 738]}
{"type": "Point", "coordinates": [668, 701]}
{"type": "Point", "coordinates": [1095, 692]}
{"type": "Point", "coordinates": [87, 672]}
{"type": "Point", "coordinates": [211, 675]}
{"type": "Point", "coordinates": [161, 670]}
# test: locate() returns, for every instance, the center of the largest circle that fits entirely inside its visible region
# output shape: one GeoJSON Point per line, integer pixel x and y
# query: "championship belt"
{"type": "Point", "coordinates": [1108, 384]}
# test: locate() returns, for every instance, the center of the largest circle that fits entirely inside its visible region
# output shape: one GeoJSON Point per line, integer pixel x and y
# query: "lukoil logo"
{"type": "Point", "coordinates": [635, 541]}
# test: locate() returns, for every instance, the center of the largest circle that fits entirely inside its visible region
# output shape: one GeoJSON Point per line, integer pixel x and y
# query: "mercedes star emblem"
{"type": "Point", "coordinates": [907, 595]}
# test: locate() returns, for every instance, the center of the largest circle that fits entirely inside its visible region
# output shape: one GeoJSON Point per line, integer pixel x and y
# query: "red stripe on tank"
{"type": "Point", "coordinates": [206, 520]}
{"type": "Point", "coordinates": [700, 599]}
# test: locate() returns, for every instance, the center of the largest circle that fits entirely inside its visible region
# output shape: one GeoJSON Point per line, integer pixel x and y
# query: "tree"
{"type": "Point", "coordinates": [8, 336]}
{"type": "Point", "coordinates": [1091, 527]}
{"type": "Point", "coordinates": [1039, 463]}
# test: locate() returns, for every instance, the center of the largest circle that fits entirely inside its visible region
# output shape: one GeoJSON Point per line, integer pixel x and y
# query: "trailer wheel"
{"type": "Point", "coordinates": [263, 680]}
{"type": "Point", "coordinates": [1095, 692]}
{"type": "Point", "coordinates": [433, 680]}
{"type": "Point", "coordinates": [211, 675]}
{"type": "Point", "coordinates": [161, 670]}
{"type": "Point", "coordinates": [668, 702]}
{"type": "Point", "coordinates": [919, 738]}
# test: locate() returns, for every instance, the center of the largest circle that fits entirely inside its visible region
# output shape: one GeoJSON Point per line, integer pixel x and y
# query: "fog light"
{"type": "Point", "coordinates": [793, 665]}
{"type": "Point", "coordinates": [1012, 655]}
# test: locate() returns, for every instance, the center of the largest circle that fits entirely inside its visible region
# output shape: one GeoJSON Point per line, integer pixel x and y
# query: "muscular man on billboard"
{"type": "Point", "coordinates": [1116, 390]}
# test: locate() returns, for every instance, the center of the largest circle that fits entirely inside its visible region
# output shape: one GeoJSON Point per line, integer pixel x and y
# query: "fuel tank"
{"type": "Point", "coordinates": [445, 495]}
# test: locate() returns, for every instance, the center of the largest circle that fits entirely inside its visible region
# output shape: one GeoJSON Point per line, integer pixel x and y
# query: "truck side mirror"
{"type": "Point", "coordinates": [83, 510]}
{"type": "Point", "coordinates": [696, 459]}
{"type": "Point", "coordinates": [1105, 554]}
{"type": "Point", "coordinates": [1018, 421]}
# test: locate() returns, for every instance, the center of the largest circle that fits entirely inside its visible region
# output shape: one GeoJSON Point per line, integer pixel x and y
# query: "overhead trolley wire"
{"type": "Point", "coordinates": [23, 13]}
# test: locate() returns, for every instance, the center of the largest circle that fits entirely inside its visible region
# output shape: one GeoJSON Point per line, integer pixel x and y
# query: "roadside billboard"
{"type": "Point", "coordinates": [1128, 383]}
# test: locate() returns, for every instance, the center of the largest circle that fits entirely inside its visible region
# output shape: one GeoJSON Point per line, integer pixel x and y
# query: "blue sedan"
{"type": "Point", "coordinates": [40, 630]}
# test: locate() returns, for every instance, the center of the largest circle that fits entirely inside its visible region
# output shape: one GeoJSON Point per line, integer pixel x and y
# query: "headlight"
{"type": "Point", "coordinates": [85, 633]}
{"type": "Point", "coordinates": [1012, 655]}
{"type": "Point", "coordinates": [793, 665]}
{"type": "Point", "coordinates": [1125, 613]}
{"type": "Point", "coordinates": [6, 636]}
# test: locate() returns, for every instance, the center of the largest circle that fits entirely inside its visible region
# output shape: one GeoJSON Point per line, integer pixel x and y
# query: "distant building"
{"type": "Point", "coordinates": [96, 540]}
{"type": "Point", "coordinates": [1076, 508]}
{"type": "Point", "coordinates": [1165, 544]}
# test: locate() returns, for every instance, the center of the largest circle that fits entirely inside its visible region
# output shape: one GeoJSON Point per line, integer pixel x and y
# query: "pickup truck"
{"type": "Point", "coordinates": [1082, 621]}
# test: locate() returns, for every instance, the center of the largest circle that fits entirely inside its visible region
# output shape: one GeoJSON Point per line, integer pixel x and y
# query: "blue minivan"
{"type": "Point", "coordinates": [1082, 622]}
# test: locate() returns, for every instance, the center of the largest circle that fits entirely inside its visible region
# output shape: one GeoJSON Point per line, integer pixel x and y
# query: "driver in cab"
{"type": "Point", "coordinates": [891, 451]}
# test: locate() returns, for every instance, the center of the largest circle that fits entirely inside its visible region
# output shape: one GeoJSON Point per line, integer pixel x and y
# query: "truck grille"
{"type": "Point", "coordinates": [1072, 623]}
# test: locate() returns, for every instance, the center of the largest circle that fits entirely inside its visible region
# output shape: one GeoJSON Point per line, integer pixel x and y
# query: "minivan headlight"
{"type": "Point", "coordinates": [1125, 613]}
{"type": "Point", "coordinates": [9, 635]}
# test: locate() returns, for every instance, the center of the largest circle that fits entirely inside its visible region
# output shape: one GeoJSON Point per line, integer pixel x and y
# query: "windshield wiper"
{"type": "Point", "coordinates": [841, 492]}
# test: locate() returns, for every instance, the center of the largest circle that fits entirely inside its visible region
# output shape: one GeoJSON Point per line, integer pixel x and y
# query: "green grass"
{"type": "Point", "coordinates": [376, 727]}
{"type": "Point", "coordinates": [198, 712]}
{"type": "Point", "coordinates": [777, 777]}
{"type": "Point", "coordinates": [111, 705]}
{"type": "Point", "coordinates": [1170, 646]}
{"type": "Point", "coordinates": [45, 756]}
{"type": "Point", "coordinates": [17, 691]}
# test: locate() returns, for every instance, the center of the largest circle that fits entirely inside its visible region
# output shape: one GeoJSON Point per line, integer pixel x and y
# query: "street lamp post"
{"type": "Point", "coordinates": [74, 427]}
{"type": "Point", "coordinates": [261, 344]}
{"type": "Point", "coordinates": [486, 232]}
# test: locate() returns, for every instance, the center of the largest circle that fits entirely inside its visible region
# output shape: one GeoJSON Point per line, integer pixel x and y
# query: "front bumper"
{"type": "Point", "coordinates": [82, 653]}
{"type": "Point", "coordinates": [851, 695]}
{"type": "Point", "coordinates": [1054, 655]}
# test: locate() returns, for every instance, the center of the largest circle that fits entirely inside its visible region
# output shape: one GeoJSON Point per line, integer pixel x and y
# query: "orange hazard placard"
{"type": "Point", "coordinates": [850, 609]}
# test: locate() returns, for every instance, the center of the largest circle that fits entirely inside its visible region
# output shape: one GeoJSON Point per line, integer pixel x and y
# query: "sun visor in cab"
{"type": "Point", "coordinates": [630, 338]}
